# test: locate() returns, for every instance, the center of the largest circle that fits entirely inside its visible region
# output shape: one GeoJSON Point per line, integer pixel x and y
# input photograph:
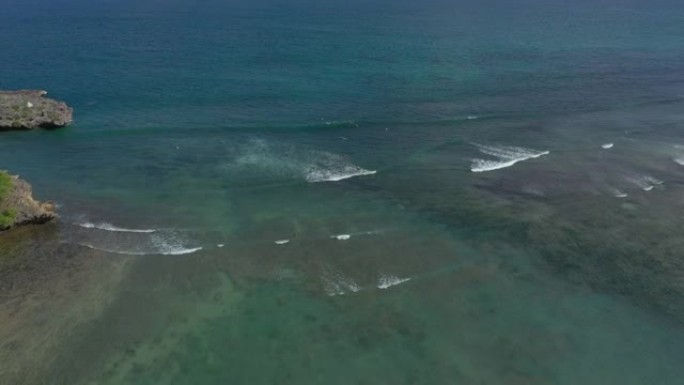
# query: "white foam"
{"type": "Point", "coordinates": [282, 160]}
{"type": "Point", "coordinates": [341, 237]}
{"type": "Point", "coordinates": [170, 246]}
{"type": "Point", "coordinates": [124, 252]}
{"type": "Point", "coordinates": [645, 182]}
{"type": "Point", "coordinates": [336, 283]}
{"type": "Point", "coordinates": [110, 227]}
{"type": "Point", "coordinates": [619, 194]}
{"type": "Point", "coordinates": [316, 175]}
{"type": "Point", "coordinates": [607, 146]}
{"type": "Point", "coordinates": [340, 123]}
{"type": "Point", "coordinates": [642, 184]}
{"type": "Point", "coordinates": [506, 157]}
{"type": "Point", "coordinates": [178, 251]}
{"type": "Point", "coordinates": [472, 117]}
{"type": "Point", "coordinates": [481, 165]}
{"type": "Point", "coordinates": [679, 158]}
{"type": "Point", "coordinates": [340, 285]}
{"type": "Point", "coordinates": [387, 281]}
{"type": "Point", "coordinates": [220, 245]}
{"type": "Point", "coordinates": [282, 242]}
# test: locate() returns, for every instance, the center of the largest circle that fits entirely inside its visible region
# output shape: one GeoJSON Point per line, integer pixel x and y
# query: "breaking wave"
{"type": "Point", "coordinates": [131, 241]}
{"type": "Point", "coordinates": [645, 182]}
{"type": "Point", "coordinates": [506, 156]}
{"type": "Point", "coordinates": [331, 175]}
{"type": "Point", "coordinates": [167, 251]}
{"type": "Point", "coordinates": [335, 283]}
{"type": "Point", "coordinates": [387, 281]}
{"type": "Point", "coordinates": [619, 194]}
{"type": "Point", "coordinates": [341, 123]}
{"type": "Point", "coordinates": [278, 160]}
{"type": "Point", "coordinates": [109, 227]}
{"type": "Point", "coordinates": [679, 158]}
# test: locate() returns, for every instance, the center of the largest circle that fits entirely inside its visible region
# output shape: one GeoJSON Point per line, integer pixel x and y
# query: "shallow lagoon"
{"type": "Point", "coordinates": [179, 184]}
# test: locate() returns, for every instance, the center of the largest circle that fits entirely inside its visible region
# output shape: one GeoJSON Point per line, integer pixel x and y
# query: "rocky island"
{"type": "Point", "coordinates": [25, 110]}
{"type": "Point", "coordinates": [17, 206]}
{"type": "Point", "coordinates": [29, 109]}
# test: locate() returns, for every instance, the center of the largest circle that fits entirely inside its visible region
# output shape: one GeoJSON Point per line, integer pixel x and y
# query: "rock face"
{"type": "Point", "coordinates": [29, 109]}
{"type": "Point", "coordinates": [17, 206]}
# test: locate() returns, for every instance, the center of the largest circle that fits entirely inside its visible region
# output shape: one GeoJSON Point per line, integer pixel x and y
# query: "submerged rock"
{"type": "Point", "coordinates": [17, 206]}
{"type": "Point", "coordinates": [29, 109]}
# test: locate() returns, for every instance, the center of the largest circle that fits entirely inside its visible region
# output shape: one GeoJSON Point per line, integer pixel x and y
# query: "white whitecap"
{"type": "Point", "coordinates": [335, 283]}
{"type": "Point", "coordinates": [341, 237]}
{"type": "Point", "coordinates": [109, 227]}
{"type": "Point", "coordinates": [644, 186]}
{"type": "Point", "coordinates": [316, 174]}
{"type": "Point", "coordinates": [645, 182]}
{"type": "Point", "coordinates": [679, 157]}
{"type": "Point", "coordinates": [607, 146]}
{"type": "Point", "coordinates": [619, 194]}
{"type": "Point", "coordinates": [387, 281]}
{"type": "Point", "coordinates": [282, 242]}
{"type": "Point", "coordinates": [286, 161]}
{"type": "Point", "coordinates": [506, 156]}
{"type": "Point", "coordinates": [176, 251]}
{"type": "Point", "coordinates": [180, 251]}
{"type": "Point", "coordinates": [220, 245]}
{"type": "Point", "coordinates": [170, 246]}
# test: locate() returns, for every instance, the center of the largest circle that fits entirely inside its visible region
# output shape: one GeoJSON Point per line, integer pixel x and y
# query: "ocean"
{"type": "Point", "coordinates": [348, 192]}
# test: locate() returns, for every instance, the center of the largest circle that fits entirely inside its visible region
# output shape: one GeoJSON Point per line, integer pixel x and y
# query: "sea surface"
{"type": "Point", "coordinates": [348, 192]}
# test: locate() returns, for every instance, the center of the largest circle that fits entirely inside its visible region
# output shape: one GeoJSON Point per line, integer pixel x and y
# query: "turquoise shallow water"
{"type": "Point", "coordinates": [365, 192]}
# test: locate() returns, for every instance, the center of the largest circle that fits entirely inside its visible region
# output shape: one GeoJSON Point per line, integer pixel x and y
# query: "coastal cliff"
{"type": "Point", "coordinates": [17, 206]}
{"type": "Point", "coordinates": [29, 109]}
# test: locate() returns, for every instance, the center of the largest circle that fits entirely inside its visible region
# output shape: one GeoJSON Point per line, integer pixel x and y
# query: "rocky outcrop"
{"type": "Point", "coordinates": [29, 109]}
{"type": "Point", "coordinates": [17, 206]}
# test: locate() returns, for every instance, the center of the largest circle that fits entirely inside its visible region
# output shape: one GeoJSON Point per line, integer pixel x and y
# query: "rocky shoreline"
{"type": "Point", "coordinates": [17, 206]}
{"type": "Point", "coordinates": [26, 110]}
{"type": "Point", "coordinates": [30, 109]}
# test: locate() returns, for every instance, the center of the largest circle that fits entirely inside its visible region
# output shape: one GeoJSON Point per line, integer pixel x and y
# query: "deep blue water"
{"type": "Point", "coordinates": [469, 192]}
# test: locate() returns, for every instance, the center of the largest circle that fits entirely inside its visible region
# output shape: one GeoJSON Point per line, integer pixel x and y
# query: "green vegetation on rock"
{"type": "Point", "coordinates": [17, 206]}
{"type": "Point", "coordinates": [5, 184]}
{"type": "Point", "coordinates": [7, 216]}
